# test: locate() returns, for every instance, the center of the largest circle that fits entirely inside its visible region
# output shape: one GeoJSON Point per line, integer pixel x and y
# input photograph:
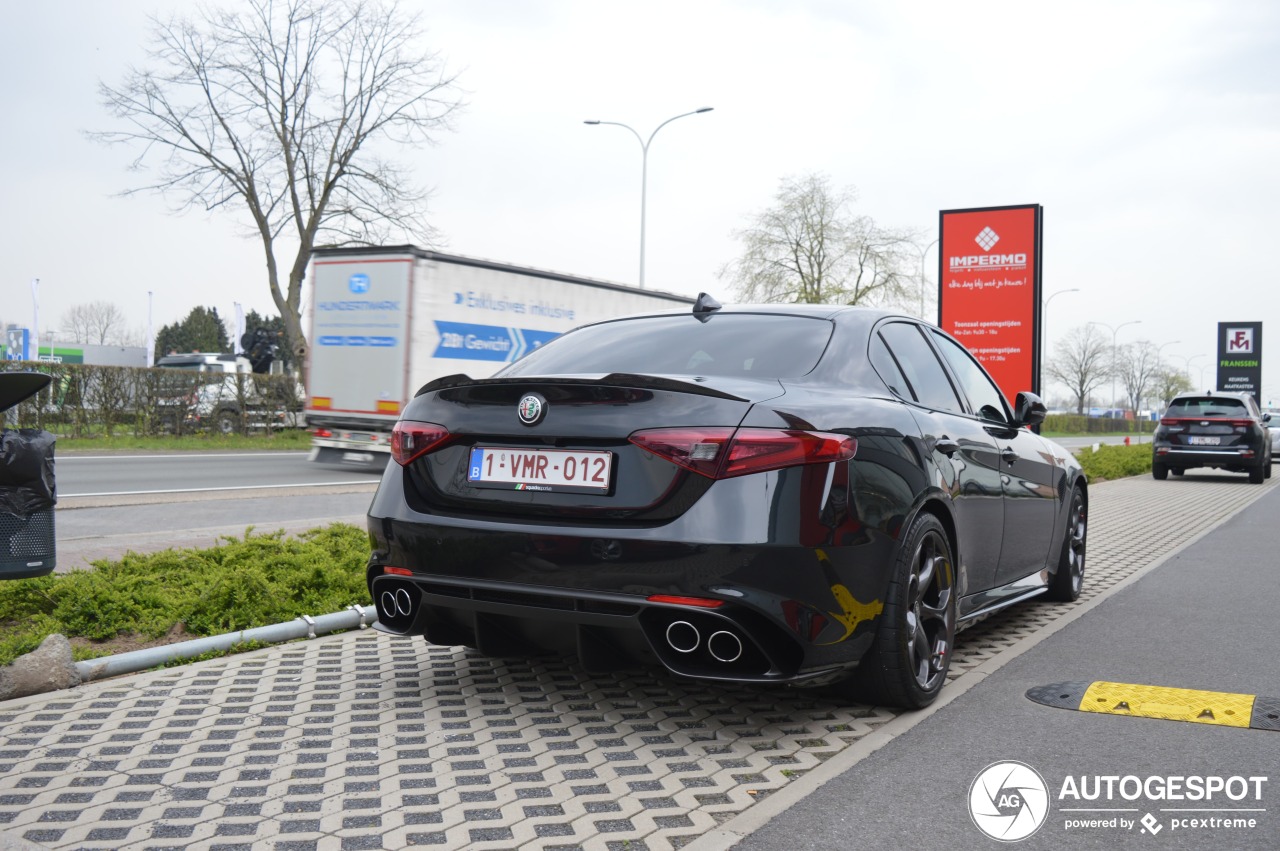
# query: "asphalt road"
{"type": "Point", "coordinates": [110, 504]}
{"type": "Point", "coordinates": [1201, 620]}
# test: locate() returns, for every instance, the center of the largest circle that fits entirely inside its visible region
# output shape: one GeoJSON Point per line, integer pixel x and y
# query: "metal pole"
{"type": "Point", "coordinates": [644, 169]}
{"type": "Point", "coordinates": [1114, 333]}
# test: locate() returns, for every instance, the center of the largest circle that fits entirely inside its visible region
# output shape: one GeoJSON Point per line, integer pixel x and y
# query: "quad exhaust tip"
{"type": "Point", "coordinates": [724, 646]}
{"type": "Point", "coordinates": [396, 603]}
{"type": "Point", "coordinates": [683, 636]}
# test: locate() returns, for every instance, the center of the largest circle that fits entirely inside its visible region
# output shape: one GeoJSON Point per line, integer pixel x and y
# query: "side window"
{"type": "Point", "coordinates": [920, 366]}
{"type": "Point", "coordinates": [884, 364]}
{"type": "Point", "coordinates": [987, 400]}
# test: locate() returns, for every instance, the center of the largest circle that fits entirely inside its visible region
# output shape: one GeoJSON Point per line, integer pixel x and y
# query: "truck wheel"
{"type": "Point", "coordinates": [227, 422]}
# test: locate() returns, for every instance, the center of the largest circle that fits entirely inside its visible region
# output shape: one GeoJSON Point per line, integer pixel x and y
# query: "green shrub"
{"type": "Point", "coordinates": [1115, 462]}
{"type": "Point", "coordinates": [242, 583]}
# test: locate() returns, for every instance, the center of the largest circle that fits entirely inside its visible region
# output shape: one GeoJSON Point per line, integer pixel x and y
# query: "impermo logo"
{"type": "Point", "coordinates": [1239, 341]}
{"type": "Point", "coordinates": [987, 239]}
{"type": "Point", "coordinates": [1008, 801]}
{"type": "Point", "coordinates": [358, 283]}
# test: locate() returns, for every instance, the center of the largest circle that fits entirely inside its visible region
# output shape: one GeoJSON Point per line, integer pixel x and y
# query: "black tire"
{"type": "Point", "coordinates": [226, 422]}
{"type": "Point", "coordinates": [1257, 474]}
{"type": "Point", "coordinates": [908, 660]}
{"type": "Point", "coordinates": [1266, 468]}
{"type": "Point", "coordinates": [1159, 471]}
{"type": "Point", "coordinates": [1069, 577]}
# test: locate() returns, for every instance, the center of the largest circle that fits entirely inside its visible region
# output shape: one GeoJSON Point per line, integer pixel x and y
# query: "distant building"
{"type": "Point", "coordinates": [19, 346]}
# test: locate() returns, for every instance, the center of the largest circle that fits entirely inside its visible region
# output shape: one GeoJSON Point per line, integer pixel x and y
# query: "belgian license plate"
{"type": "Point", "coordinates": [558, 470]}
{"type": "Point", "coordinates": [1204, 441]}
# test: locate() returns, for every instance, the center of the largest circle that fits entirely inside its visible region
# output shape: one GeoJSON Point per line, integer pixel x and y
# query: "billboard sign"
{"type": "Point", "coordinates": [16, 344]}
{"type": "Point", "coordinates": [1240, 358]}
{"type": "Point", "coordinates": [989, 289]}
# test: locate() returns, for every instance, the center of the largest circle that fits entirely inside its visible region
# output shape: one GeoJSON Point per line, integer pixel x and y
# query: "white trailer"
{"type": "Point", "coordinates": [385, 321]}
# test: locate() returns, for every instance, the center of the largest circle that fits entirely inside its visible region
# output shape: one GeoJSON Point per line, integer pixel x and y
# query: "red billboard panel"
{"type": "Point", "coordinates": [989, 290]}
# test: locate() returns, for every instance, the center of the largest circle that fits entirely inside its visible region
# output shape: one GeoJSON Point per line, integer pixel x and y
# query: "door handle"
{"type": "Point", "coordinates": [1008, 456]}
{"type": "Point", "coordinates": [946, 446]}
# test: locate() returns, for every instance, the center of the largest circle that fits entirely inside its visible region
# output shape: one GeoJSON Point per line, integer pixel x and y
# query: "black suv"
{"type": "Point", "coordinates": [1223, 430]}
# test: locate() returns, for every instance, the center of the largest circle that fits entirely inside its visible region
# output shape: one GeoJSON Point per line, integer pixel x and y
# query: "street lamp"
{"type": "Point", "coordinates": [1044, 312]}
{"type": "Point", "coordinates": [1114, 332]}
{"type": "Point", "coordinates": [922, 279]}
{"type": "Point", "coordinates": [1186, 362]}
{"type": "Point", "coordinates": [644, 167]}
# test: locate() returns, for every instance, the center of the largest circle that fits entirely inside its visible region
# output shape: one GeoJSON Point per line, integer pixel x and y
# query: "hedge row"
{"type": "Point", "coordinates": [84, 399]}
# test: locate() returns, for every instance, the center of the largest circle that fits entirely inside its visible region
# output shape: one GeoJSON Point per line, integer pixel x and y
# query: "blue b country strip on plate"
{"type": "Point", "coordinates": [467, 341]}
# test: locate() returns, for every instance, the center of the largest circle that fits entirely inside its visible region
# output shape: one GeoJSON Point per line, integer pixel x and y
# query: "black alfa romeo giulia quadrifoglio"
{"type": "Point", "coordinates": [774, 494]}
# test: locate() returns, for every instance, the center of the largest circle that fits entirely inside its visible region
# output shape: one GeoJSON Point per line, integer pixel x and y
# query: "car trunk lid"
{"type": "Point", "coordinates": [567, 453]}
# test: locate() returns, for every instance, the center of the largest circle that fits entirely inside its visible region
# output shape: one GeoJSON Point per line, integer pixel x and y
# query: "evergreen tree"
{"type": "Point", "coordinates": [201, 331]}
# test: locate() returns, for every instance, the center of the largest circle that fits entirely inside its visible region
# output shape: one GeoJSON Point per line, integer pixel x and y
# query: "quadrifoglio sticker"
{"type": "Point", "coordinates": [1009, 801]}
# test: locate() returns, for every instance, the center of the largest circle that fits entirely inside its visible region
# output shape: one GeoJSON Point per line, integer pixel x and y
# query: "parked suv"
{"type": "Point", "coordinates": [1226, 431]}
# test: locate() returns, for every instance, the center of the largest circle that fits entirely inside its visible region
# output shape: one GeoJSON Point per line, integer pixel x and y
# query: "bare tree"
{"type": "Point", "coordinates": [1168, 382]}
{"type": "Point", "coordinates": [284, 108]}
{"type": "Point", "coordinates": [1081, 361]}
{"type": "Point", "coordinates": [96, 323]}
{"type": "Point", "coordinates": [811, 248]}
{"type": "Point", "coordinates": [1137, 365]}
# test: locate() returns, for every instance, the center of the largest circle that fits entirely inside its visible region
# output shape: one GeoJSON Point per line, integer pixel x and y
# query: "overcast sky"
{"type": "Point", "coordinates": [1150, 132]}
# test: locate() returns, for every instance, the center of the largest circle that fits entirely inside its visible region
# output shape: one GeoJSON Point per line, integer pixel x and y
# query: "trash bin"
{"type": "Point", "coordinates": [27, 490]}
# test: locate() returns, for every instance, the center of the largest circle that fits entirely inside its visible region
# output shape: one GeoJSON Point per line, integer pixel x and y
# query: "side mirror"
{"type": "Point", "coordinates": [1029, 409]}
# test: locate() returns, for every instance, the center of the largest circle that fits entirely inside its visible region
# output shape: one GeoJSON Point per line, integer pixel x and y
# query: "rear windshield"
{"type": "Point", "coordinates": [746, 345]}
{"type": "Point", "coordinates": [1207, 406]}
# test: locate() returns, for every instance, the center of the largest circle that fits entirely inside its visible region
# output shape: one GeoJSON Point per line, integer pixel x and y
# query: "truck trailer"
{"type": "Point", "coordinates": [386, 320]}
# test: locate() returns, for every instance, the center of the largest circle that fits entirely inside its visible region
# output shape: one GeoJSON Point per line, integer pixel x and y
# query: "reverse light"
{"type": "Point", "coordinates": [722, 453]}
{"type": "Point", "coordinates": [410, 440]}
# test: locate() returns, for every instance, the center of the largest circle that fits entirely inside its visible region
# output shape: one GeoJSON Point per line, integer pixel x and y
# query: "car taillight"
{"type": "Point", "coordinates": [410, 440]}
{"type": "Point", "coordinates": [722, 453]}
{"type": "Point", "coordinates": [322, 432]}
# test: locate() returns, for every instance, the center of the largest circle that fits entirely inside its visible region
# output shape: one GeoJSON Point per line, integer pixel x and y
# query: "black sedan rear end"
{"type": "Point", "coordinates": [1225, 431]}
{"type": "Point", "coordinates": [733, 493]}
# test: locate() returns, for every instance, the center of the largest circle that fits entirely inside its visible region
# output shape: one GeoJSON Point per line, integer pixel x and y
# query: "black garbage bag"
{"type": "Point", "coordinates": [26, 471]}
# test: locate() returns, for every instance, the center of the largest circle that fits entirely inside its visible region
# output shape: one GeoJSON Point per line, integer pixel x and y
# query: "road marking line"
{"type": "Point", "coordinates": [229, 488]}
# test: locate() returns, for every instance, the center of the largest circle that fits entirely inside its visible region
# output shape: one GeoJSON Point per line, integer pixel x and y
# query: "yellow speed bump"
{"type": "Point", "coordinates": [1173, 704]}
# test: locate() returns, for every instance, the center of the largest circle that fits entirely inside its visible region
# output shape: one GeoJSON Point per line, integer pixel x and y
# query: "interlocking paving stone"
{"type": "Point", "coordinates": [367, 741]}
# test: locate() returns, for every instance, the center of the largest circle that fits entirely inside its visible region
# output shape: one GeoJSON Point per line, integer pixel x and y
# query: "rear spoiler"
{"type": "Point", "coordinates": [625, 379]}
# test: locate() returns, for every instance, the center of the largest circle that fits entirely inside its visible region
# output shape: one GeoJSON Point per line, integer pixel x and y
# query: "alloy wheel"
{"type": "Point", "coordinates": [930, 617]}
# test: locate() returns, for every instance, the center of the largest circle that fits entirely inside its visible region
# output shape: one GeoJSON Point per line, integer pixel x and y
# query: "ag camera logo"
{"type": "Point", "coordinates": [358, 283]}
{"type": "Point", "coordinates": [1008, 801]}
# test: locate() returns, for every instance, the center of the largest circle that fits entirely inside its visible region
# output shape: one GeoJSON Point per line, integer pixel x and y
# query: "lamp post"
{"type": "Point", "coordinates": [1114, 333]}
{"type": "Point", "coordinates": [1044, 312]}
{"type": "Point", "coordinates": [1186, 362]}
{"type": "Point", "coordinates": [644, 167]}
{"type": "Point", "coordinates": [1159, 356]}
{"type": "Point", "coordinates": [922, 279]}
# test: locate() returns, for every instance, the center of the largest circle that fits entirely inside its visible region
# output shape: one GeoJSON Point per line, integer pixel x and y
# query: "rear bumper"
{"type": "Point", "coordinates": [1177, 457]}
{"type": "Point", "coordinates": [790, 613]}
